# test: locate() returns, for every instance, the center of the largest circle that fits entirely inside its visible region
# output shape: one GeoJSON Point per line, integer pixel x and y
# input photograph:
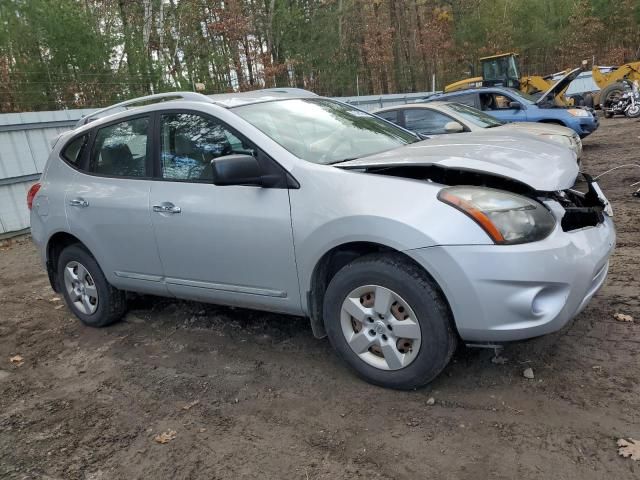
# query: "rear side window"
{"type": "Point", "coordinates": [120, 150]}
{"type": "Point", "coordinates": [75, 149]}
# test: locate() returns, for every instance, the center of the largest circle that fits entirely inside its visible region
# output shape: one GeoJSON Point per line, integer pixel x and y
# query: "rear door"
{"type": "Point", "coordinates": [221, 244]}
{"type": "Point", "coordinates": [107, 206]}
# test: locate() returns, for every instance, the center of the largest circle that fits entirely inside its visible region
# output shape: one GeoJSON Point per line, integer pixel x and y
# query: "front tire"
{"type": "Point", "coordinates": [633, 111]}
{"type": "Point", "coordinates": [388, 321]}
{"type": "Point", "coordinates": [86, 290]}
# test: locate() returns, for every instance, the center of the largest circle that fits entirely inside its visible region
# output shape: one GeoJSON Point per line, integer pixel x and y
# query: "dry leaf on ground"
{"type": "Point", "coordinates": [629, 448]}
{"type": "Point", "coordinates": [54, 299]}
{"type": "Point", "coordinates": [165, 437]}
{"type": "Point", "coordinates": [17, 360]}
{"type": "Point", "coordinates": [190, 405]}
{"type": "Point", "coordinates": [621, 317]}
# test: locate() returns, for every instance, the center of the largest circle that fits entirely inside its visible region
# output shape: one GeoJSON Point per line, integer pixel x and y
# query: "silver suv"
{"type": "Point", "coordinates": [395, 248]}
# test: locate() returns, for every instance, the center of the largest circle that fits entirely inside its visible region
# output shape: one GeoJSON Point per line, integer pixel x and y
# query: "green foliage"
{"type": "Point", "coordinates": [88, 53]}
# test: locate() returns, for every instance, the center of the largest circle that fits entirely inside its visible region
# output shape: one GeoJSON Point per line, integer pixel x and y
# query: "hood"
{"type": "Point", "coordinates": [541, 165]}
{"type": "Point", "coordinates": [559, 86]}
{"type": "Point", "coordinates": [539, 128]}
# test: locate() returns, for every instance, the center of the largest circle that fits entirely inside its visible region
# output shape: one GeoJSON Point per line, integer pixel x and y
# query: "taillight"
{"type": "Point", "coordinates": [32, 193]}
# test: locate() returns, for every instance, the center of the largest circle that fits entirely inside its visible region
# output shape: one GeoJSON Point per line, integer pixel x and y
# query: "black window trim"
{"type": "Point", "coordinates": [87, 147]}
{"type": "Point", "coordinates": [288, 181]}
{"type": "Point", "coordinates": [84, 168]}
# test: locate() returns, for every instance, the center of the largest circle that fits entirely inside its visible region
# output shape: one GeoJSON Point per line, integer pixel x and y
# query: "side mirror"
{"type": "Point", "coordinates": [515, 105]}
{"type": "Point", "coordinates": [236, 170]}
{"type": "Point", "coordinates": [453, 127]}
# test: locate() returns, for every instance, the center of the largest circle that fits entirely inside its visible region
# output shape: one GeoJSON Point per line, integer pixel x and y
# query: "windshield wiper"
{"type": "Point", "coordinates": [343, 160]}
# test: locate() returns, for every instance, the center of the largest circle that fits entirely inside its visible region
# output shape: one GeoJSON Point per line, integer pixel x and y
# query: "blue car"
{"type": "Point", "coordinates": [510, 105]}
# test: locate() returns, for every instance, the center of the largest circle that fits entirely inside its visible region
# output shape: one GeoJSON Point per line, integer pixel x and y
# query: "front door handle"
{"type": "Point", "coordinates": [166, 207]}
{"type": "Point", "coordinates": [79, 202]}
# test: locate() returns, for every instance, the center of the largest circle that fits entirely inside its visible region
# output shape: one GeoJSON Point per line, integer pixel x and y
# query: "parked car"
{"type": "Point", "coordinates": [510, 105]}
{"type": "Point", "coordinates": [444, 118]}
{"type": "Point", "coordinates": [395, 248]}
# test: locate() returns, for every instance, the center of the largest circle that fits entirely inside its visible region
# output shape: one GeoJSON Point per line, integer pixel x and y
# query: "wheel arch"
{"type": "Point", "coordinates": [553, 121]}
{"type": "Point", "coordinates": [55, 245]}
{"type": "Point", "coordinates": [335, 259]}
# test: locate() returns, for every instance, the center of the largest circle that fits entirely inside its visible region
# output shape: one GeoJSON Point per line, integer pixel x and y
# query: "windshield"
{"type": "Point", "coordinates": [528, 99]}
{"type": "Point", "coordinates": [474, 115]}
{"type": "Point", "coordinates": [323, 131]}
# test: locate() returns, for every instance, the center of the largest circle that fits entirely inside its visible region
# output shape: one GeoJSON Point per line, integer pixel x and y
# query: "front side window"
{"type": "Point", "coordinates": [189, 143]}
{"type": "Point", "coordinates": [120, 150]}
{"type": "Point", "coordinates": [391, 115]}
{"type": "Point", "coordinates": [324, 131]}
{"type": "Point", "coordinates": [74, 151]}
{"type": "Point", "coordinates": [426, 121]}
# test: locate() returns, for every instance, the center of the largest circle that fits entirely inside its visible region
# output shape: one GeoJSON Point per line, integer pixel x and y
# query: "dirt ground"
{"type": "Point", "coordinates": [254, 395]}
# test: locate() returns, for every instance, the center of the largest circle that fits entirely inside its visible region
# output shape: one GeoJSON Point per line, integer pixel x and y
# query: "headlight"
{"type": "Point", "coordinates": [506, 217]}
{"type": "Point", "coordinates": [578, 112]}
{"type": "Point", "coordinates": [566, 141]}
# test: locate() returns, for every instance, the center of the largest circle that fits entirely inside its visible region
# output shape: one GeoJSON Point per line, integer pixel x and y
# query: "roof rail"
{"type": "Point", "coordinates": [133, 103]}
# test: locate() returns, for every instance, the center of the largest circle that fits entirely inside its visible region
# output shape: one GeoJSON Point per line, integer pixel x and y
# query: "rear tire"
{"type": "Point", "coordinates": [86, 290]}
{"type": "Point", "coordinates": [588, 100]}
{"type": "Point", "coordinates": [609, 93]}
{"type": "Point", "coordinates": [421, 340]}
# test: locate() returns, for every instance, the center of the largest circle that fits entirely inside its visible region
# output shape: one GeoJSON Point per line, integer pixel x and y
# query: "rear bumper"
{"type": "Point", "coordinates": [503, 293]}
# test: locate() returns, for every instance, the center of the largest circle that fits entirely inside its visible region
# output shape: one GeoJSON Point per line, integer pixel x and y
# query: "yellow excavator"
{"type": "Point", "coordinates": [503, 70]}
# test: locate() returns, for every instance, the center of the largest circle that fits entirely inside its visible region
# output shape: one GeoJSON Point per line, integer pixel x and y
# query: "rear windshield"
{"type": "Point", "coordinates": [324, 131]}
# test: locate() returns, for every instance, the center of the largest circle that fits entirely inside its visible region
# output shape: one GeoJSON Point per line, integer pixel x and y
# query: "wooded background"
{"type": "Point", "coordinates": [89, 53]}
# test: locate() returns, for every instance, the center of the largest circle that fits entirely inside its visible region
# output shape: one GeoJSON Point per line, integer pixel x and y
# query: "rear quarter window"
{"type": "Point", "coordinates": [75, 149]}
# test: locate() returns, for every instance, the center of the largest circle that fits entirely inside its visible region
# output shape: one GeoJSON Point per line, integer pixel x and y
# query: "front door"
{"type": "Point", "coordinates": [221, 244]}
{"type": "Point", "coordinates": [499, 106]}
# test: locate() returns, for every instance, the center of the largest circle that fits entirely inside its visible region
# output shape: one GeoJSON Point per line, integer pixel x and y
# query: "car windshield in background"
{"type": "Point", "coordinates": [528, 99]}
{"type": "Point", "coordinates": [474, 115]}
{"type": "Point", "coordinates": [323, 131]}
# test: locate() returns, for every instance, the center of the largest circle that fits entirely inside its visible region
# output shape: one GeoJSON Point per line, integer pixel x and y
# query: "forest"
{"type": "Point", "coordinates": [57, 54]}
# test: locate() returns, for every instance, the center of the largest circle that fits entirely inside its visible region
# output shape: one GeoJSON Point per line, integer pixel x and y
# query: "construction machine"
{"type": "Point", "coordinates": [504, 70]}
{"type": "Point", "coordinates": [611, 83]}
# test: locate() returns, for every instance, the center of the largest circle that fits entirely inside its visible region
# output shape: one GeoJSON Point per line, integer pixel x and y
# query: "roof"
{"type": "Point", "coordinates": [499, 55]}
{"type": "Point", "coordinates": [227, 100]}
{"type": "Point", "coordinates": [230, 100]}
{"type": "Point", "coordinates": [473, 90]}
{"type": "Point", "coordinates": [433, 104]}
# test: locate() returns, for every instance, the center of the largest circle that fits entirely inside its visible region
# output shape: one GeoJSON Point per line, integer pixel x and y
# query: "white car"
{"type": "Point", "coordinates": [443, 118]}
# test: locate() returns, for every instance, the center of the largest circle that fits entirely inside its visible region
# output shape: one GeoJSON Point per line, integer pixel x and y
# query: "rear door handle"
{"type": "Point", "coordinates": [166, 207]}
{"type": "Point", "coordinates": [79, 202]}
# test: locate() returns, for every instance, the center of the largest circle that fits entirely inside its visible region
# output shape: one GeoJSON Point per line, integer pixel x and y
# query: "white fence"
{"type": "Point", "coordinates": [25, 142]}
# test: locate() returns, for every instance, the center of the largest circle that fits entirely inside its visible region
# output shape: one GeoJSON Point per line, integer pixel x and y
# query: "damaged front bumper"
{"type": "Point", "coordinates": [501, 293]}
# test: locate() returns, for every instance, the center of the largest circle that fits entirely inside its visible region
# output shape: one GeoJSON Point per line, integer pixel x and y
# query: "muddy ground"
{"type": "Point", "coordinates": [254, 395]}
